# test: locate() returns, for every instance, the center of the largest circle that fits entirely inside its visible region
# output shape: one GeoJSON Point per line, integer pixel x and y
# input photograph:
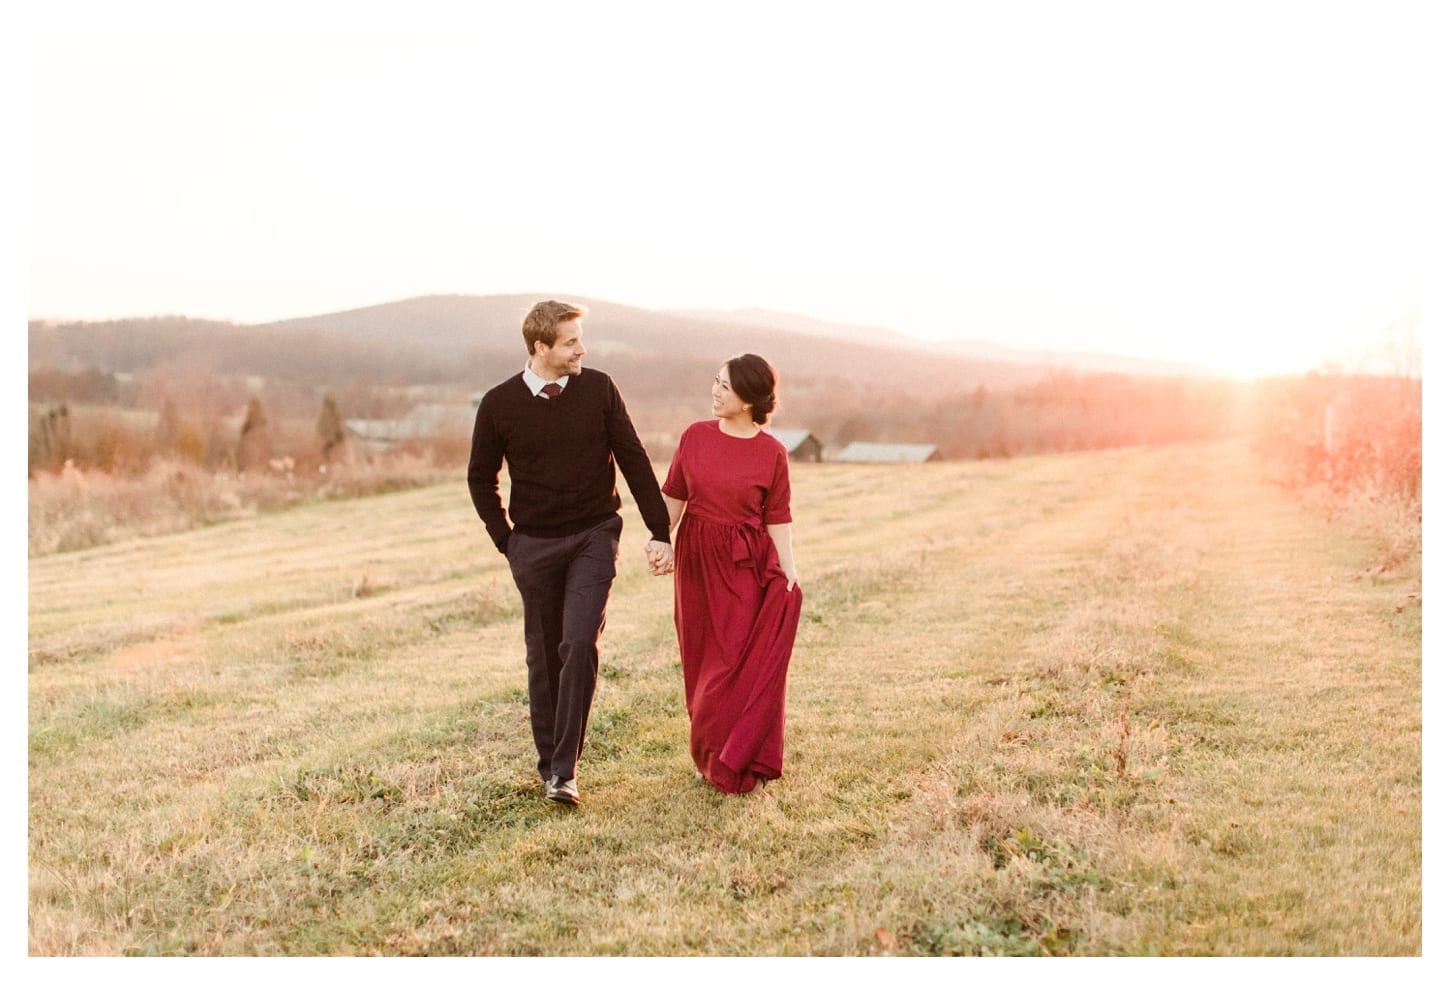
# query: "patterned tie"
{"type": "Point", "coordinates": [552, 390]}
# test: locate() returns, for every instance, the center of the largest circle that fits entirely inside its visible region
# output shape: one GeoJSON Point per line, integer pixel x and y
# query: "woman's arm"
{"type": "Point", "coordinates": [661, 555]}
{"type": "Point", "coordinates": [676, 508]}
{"type": "Point", "coordinates": [780, 534]}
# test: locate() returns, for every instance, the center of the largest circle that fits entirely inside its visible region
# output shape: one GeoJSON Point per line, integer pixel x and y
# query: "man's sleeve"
{"type": "Point", "coordinates": [484, 464]}
{"type": "Point", "coordinates": [633, 461]}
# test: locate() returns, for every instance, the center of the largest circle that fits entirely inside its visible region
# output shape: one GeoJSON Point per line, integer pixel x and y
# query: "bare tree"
{"type": "Point", "coordinates": [168, 428]}
{"type": "Point", "coordinates": [330, 429]}
{"type": "Point", "coordinates": [50, 437]}
{"type": "Point", "coordinates": [254, 448]}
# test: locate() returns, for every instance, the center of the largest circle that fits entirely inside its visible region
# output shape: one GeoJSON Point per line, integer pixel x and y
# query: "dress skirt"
{"type": "Point", "coordinates": [736, 623]}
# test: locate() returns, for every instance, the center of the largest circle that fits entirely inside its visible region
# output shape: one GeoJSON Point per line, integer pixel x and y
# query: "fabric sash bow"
{"type": "Point", "coordinates": [752, 550]}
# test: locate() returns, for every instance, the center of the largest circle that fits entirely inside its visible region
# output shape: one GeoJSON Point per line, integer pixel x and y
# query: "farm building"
{"type": "Point", "coordinates": [874, 452]}
{"type": "Point", "coordinates": [802, 445]}
{"type": "Point", "coordinates": [422, 422]}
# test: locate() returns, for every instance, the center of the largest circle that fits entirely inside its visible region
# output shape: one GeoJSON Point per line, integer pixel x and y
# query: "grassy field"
{"type": "Point", "coordinates": [1134, 702]}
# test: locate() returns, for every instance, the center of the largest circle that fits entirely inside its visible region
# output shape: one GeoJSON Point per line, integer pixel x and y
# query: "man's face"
{"type": "Point", "coordinates": [566, 356]}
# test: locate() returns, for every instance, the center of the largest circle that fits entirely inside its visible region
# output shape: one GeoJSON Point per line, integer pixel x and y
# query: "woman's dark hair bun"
{"type": "Point", "coordinates": [754, 381]}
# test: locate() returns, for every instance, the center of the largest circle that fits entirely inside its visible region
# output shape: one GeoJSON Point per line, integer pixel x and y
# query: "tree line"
{"type": "Point", "coordinates": [1338, 430]}
{"type": "Point", "coordinates": [123, 423]}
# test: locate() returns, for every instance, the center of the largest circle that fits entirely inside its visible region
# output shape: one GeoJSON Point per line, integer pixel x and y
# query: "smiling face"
{"type": "Point", "coordinates": [565, 357]}
{"type": "Point", "coordinates": [725, 403]}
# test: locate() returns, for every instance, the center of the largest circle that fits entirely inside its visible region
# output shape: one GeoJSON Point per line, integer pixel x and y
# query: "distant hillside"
{"type": "Point", "coordinates": [466, 326]}
{"type": "Point", "coordinates": [991, 353]}
{"type": "Point", "coordinates": [843, 385]}
{"type": "Point", "coordinates": [469, 340]}
{"type": "Point", "coordinates": [802, 324]}
{"type": "Point", "coordinates": [474, 340]}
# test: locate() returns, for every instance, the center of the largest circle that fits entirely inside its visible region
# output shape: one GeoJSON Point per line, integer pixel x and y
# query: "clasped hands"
{"type": "Point", "coordinates": [661, 557]}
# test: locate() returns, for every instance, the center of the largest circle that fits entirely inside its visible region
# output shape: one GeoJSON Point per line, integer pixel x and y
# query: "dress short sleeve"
{"type": "Point", "coordinates": [676, 486]}
{"type": "Point", "coordinates": [777, 497]}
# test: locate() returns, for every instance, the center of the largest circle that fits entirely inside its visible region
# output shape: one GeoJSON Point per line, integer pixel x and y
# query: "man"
{"type": "Point", "coordinates": [562, 429]}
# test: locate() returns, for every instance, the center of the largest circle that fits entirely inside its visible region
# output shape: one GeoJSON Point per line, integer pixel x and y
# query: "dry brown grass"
{"type": "Point", "coordinates": [72, 509]}
{"type": "Point", "coordinates": [1132, 702]}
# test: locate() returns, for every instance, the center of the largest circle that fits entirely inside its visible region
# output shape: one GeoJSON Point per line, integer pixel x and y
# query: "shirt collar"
{"type": "Point", "coordinates": [536, 382]}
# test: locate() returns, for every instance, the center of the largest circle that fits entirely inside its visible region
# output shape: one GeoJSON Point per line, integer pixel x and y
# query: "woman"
{"type": "Point", "coordinates": [737, 601]}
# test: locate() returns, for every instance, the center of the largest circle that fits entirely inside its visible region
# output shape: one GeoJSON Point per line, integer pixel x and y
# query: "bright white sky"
{"type": "Point", "coordinates": [1237, 185]}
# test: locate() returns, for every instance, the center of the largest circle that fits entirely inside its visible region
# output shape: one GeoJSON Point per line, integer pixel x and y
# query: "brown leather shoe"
{"type": "Point", "coordinates": [562, 791]}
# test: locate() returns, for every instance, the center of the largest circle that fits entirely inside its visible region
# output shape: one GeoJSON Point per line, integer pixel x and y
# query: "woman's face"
{"type": "Point", "coordinates": [723, 399]}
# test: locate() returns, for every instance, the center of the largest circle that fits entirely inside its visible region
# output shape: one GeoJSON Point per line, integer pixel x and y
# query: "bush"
{"type": "Point", "coordinates": [1349, 434]}
{"type": "Point", "coordinates": [1351, 445]}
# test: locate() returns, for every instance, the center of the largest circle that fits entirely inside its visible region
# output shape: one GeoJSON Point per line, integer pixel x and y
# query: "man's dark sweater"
{"type": "Point", "coordinates": [561, 455]}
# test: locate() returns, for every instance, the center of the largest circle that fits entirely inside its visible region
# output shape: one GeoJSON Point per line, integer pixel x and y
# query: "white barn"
{"type": "Point", "coordinates": [879, 453]}
{"type": "Point", "coordinates": [801, 445]}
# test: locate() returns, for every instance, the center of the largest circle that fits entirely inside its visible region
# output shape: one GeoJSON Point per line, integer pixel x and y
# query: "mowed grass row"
{"type": "Point", "coordinates": [1133, 702]}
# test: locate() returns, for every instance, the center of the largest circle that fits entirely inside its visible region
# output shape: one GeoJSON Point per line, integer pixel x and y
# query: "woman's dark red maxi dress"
{"type": "Point", "coordinates": [735, 619]}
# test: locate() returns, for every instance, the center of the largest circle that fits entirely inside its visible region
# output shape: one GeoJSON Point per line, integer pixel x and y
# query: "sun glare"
{"type": "Point", "coordinates": [1262, 358]}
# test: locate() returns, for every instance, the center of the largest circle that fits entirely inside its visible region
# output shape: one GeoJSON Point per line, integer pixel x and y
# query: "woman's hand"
{"type": "Point", "coordinates": [661, 557]}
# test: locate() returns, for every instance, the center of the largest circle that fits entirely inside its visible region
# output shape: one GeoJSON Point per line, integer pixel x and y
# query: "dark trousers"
{"type": "Point", "coordinates": [564, 583]}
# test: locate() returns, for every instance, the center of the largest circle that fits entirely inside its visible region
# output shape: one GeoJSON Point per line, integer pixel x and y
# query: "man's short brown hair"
{"type": "Point", "coordinates": [542, 322]}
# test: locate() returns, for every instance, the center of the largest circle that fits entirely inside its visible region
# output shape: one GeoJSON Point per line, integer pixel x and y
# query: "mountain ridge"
{"type": "Point", "coordinates": [458, 338]}
{"type": "Point", "coordinates": [442, 329]}
{"type": "Point", "coordinates": [1075, 359]}
{"type": "Point", "coordinates": [382, 361]}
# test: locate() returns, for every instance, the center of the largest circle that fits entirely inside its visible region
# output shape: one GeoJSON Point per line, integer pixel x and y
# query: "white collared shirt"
{"type": "Point", "coordinates": [536, 382]}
